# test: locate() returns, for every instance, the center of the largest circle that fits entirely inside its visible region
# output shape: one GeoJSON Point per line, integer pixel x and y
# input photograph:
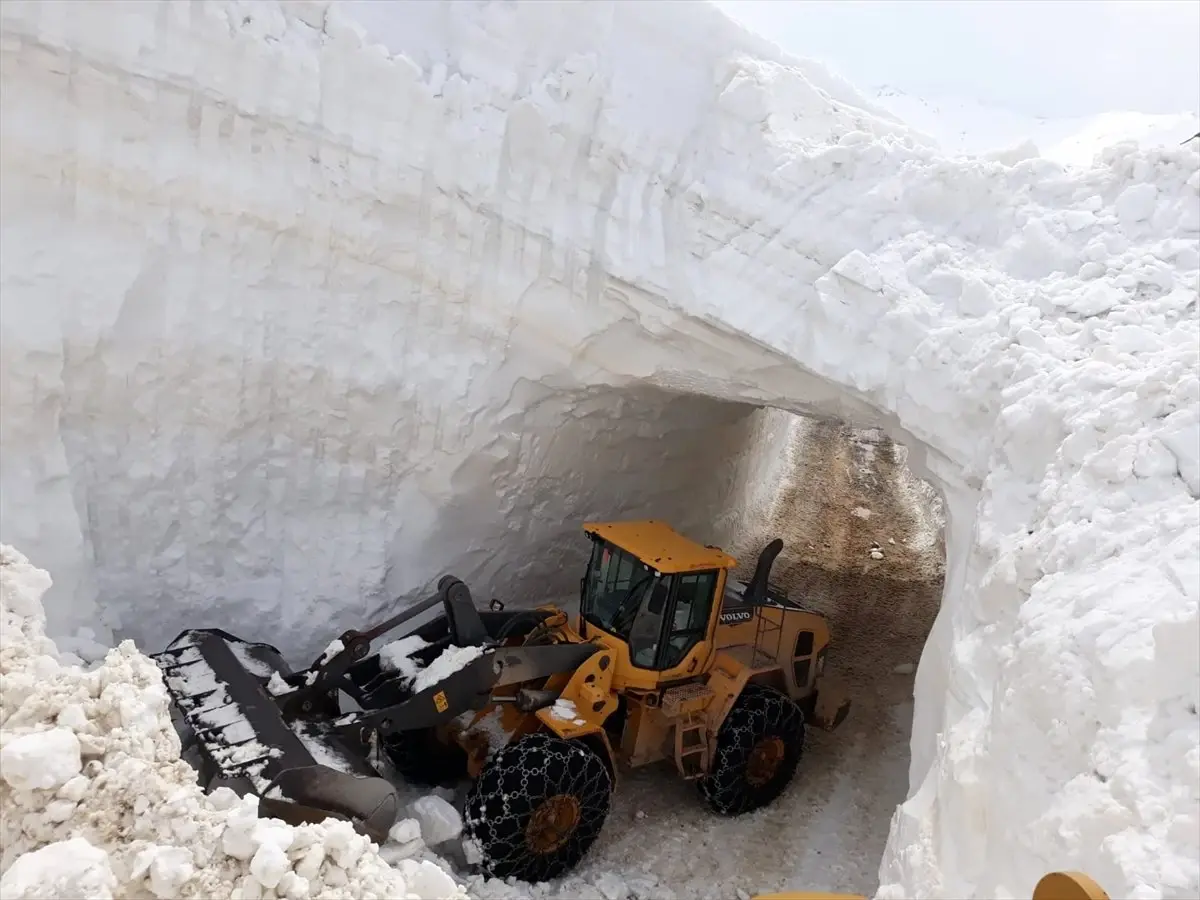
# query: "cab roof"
{"type": "Point", "coordinates": [659, 545]}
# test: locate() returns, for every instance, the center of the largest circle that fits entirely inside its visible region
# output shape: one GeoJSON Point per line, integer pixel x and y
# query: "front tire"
{"type": "Point", "coordinates": [537, 808]}
{"type": "Point", "coordinates": [758, 748]}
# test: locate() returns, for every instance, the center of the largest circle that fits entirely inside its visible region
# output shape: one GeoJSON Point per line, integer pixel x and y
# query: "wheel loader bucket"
{"type": "Point", "coordinates": [299, 770]}
{"type": "Point", "coordinates": [367, 801]}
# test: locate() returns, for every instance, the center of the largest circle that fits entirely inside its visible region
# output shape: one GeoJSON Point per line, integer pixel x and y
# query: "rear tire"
{"type": "Point", "coordinates": [758, 748]}
{"type": "Point", "coordinates": [537, 808]}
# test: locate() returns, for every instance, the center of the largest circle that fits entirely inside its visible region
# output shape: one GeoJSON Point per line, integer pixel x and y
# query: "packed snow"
{"type": "Point", "coordinates": [449, 661]}
{"type": "Point", "coordinates": [299, 318]}
{"type": "Point", "coordinates": [565, 711]}
{"type": "Point", "coordinates": [331, 650]}
{"type": "Point", "coordinates": [396, 656]}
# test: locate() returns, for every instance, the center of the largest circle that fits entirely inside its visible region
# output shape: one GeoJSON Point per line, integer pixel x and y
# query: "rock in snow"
{"type": "Point", "coordinates": [293, 341]}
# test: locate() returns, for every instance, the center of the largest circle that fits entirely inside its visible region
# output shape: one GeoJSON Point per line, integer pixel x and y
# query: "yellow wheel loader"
{"type": "Point", "coordinates": [667, 658]}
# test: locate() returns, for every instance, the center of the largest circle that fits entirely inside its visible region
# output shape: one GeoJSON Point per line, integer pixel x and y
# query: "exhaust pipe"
{"type": "Point", "coordinates": [756, 591]}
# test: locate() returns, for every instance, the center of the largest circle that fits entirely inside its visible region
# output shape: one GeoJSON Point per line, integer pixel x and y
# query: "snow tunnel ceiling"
{"type": "Point", "coordinates": [303, 323]}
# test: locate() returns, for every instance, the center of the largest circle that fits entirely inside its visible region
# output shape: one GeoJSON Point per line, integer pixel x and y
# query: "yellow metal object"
{"type": "Point", "coordinates": [440, 702]}
{"type": "Point", "coordinates": [1054, 886]}
{"type": "Point", "coordinates": [555, 620]}
{"type": "Point", "coordinates": [589, 690]}
{"type": "Point", "coordinates": [659, 545]}
{"type": "Point", "coordinates": [1068, 886]}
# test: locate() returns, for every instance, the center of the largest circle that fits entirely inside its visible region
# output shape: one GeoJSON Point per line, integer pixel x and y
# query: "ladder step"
{"type": "Point", "coordinates": [691, 747]}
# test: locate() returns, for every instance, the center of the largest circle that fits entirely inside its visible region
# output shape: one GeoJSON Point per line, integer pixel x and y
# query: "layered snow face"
{"type": "Point", "coordinates": [96, 803]}
{"type": "Point", "coordinates": [294, 324]}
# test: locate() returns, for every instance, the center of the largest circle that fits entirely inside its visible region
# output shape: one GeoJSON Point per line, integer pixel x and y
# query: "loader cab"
{"type": "Point", "coordinates": [654, 591]}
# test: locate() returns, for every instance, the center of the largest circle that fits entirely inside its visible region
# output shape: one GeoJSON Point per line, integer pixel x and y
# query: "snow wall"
{"type": "Point", "coordinates": [294, 323]}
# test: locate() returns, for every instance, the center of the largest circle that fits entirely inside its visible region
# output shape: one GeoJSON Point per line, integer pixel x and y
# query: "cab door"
{"type": "Point", "coordinates": [685, 645]}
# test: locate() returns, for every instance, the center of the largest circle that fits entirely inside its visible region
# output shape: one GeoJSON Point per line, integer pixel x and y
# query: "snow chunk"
{"type": "Point", "coordinates": [1094, 299]}
{"type": "Point", "coordinates": [450, 661]}
{"type": "Point", "coordinates": [439, 821]}
{"type": "Point", "coordinates": [425, 879]}
{"type": "Point", "coordinates": [611, 886]}
{"type": "Point", "coordinates": [43, 760]}
{"type": "Point", "coordinates": [333, 649]}
{"type": "Point", "coordinates": [404, 831]}
{"type": "Point", "coordinates": [168, 869]}
{"type": "Point", "coordinates": [1136, 203]}
{"type": "Point", "coordinates": [71, 868]}
{"type": "Point", "coordinates": [276, 685]}
{"type": "Point", "coordinates": [269, 864]}
{"type": "Point", "coordinates": [396, 656]}
{"type": "Point", "coordinates": [1180, 435]}
{"type": "Point", "coordinates": [565, 711]}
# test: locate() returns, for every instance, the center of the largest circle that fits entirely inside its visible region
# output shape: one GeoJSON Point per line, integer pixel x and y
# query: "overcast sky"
{"type": "Point", "coordinates": [1038, 57]}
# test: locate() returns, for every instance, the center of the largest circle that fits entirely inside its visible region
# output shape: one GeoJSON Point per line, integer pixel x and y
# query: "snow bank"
{"type": "Point", "coordinates": [296, 324]}
{"type": "Point", "coordinates": [95, 802]}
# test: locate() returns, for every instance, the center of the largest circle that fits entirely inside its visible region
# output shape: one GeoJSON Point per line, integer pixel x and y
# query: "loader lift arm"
{"type": "Point", "coordinates": [324, 675]}
{"type": "Point", "coordinates": [472, 687]}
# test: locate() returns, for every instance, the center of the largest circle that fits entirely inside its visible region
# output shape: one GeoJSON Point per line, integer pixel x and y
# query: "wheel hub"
{"type": "Point", "coordinates": [552, 823]}
{"type": "Point", "coordinates": [764, 761]}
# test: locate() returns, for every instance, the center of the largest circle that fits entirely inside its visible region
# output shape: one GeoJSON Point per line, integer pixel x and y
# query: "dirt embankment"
{"type": "Point", "coordinates": [862, 544]}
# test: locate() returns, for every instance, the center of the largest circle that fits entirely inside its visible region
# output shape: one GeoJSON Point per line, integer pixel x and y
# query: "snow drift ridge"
{"type": "Point", "coordinates": [293, 321]}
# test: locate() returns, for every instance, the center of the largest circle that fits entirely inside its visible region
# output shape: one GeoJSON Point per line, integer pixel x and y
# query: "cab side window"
{"type": "Point", "coordinates": [689, 617]}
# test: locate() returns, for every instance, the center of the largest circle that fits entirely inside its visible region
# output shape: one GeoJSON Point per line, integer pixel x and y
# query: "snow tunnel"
{"type": "Point", "coordinates": [307, 321]}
